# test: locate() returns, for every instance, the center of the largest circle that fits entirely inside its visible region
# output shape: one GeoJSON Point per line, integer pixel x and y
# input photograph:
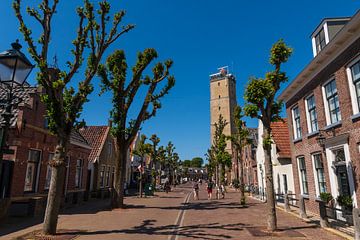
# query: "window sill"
{"type": "Point", "coordinates": [333, 125]}
{"type": "Point", "coordinates": [355, 117]}
{"type": "Point", "coordinates": [312, 134]}
{"type": "Point", "coordinates": [305, 196]}
{"type": "Point", "coordinates": [297, 140]}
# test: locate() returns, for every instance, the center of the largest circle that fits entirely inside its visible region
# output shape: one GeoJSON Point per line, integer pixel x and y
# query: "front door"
{"type": "Point", "coordinates": [343, 180]}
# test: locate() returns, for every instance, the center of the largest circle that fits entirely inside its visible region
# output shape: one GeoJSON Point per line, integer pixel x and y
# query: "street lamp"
{"type": "Point", "coordinates": [321, 140]}
{"type": "Point", "coordinates": [14, 70]}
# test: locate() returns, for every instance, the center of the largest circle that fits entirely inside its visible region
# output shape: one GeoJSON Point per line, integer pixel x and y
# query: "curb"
{"type": "Point", "coordinates": [332, 230]}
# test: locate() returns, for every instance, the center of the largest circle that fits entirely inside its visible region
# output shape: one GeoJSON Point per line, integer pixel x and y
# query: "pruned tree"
{"type": "Point", "coordinates": [64, 103]}
{"type": "Point", "coordinates": [141, 150]}
{"type": "Point", "coordinates": [239, 140]}
{"type": "Point", "coordinates": [221, 156]}
{"type": "Point", "coordinates": [113, 76]}
{"type": "Point", "coordinates": [261, 103]}
{"type": "Point", "coordinates": [171, 161]}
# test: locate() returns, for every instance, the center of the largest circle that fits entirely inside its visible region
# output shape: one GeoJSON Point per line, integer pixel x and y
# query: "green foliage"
{"type": "Point", "coordinates": [93, 37]}
{"type": "Point", "coordinates": [197, 162]}
{"type": "Point", "coordinates": [326, 197]}
{"type": "Point", "coordinates": [114, 75]}
{"type": "Point", "coordinates": [260, 92]}
{"type": "Point", "coordinates": [345, 201]}
{"type": "Point", "coordinates": [186, 163]}
{"type": "Point", "coordinates": [220, 157]}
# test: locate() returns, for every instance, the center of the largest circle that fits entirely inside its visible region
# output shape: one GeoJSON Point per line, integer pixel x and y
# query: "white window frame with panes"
{"type": "Point", "coordinates": [35, 171]}
{"type": "Point", "coordinates": [309, 110]}
{"type": "Point", "coordinates": [296, 129]}
{"type": "Point", "coordinates": [353, 76]}
{"type": "Point", "coordinates": [48, 172]}
{"type": "Point", "coordinates": [301, 177]}
{"type": "Point", "coordinates": [335, 93]}
{"type": "Point", "coordinates": [315, 163]}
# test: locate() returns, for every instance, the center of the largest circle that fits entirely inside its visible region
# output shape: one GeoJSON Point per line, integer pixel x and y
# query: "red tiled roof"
{"type": "Point", "coordinates": [95, 136]}
{"type": "Point", "coordinates": [281, 137]}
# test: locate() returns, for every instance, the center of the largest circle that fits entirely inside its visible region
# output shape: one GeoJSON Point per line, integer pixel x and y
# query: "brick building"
{"type": "Point", "coordinates": [33, 145]}
{"type": "Point", "coordinates": [102, 159]}
{"type": "Point", "coordinates": [323, 102]}
{"type": "Point", "coordinates": [249, 160]}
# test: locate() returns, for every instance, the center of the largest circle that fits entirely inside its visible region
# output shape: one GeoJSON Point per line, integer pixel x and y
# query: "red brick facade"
{"type": "Point", "coordinates": [28, 133]}
{"type": "Point", "coordinates": [347, 131]}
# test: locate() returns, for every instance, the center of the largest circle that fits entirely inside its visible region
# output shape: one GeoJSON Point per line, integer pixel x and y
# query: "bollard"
{"type": "Point", "coordinates": [323, 218]}
{"type": "Point", "coordinates": [286, 203]}
{"type": "Point", "coordinates": [356, 217]}
{"type": "Point", "coordinates": [302, 207]}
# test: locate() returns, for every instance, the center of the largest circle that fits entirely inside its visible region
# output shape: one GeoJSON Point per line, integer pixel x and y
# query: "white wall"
{"type": "Point", "coordinates": [278, 168]}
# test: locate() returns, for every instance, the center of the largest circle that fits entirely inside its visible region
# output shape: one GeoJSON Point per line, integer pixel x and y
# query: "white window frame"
{"type": "Point", "coordinates": [48, 170]}
{"type": "Point", "coordinates": [317, 187]}
{"type": "Point", "coordinates": [79, 176]}
{"type": "Point", "coordinates": [38, 169]}
{"type": "Point", "coordinates": [300, 176]}
{"type": "Point", "coordinates": [308, 118]}
{"type": "Point", "coordinates": [354, 102]}
{"type": "Point", "coordinates": [294, 122]}
{"type": "Point", "coordinates": [102, 183]}
{"type": "Point", "coordinates": [326, 103]}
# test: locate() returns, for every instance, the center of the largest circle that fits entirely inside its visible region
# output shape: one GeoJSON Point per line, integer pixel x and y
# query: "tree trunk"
{"type": "Point", "coordinates": [56, 188]}
{"type": "Point", "coordinates": [241, 179]}
{"type": "Point", "coordinates": [141, 185]}
{"type": "Point", "coordinates": [117, 198]}
{"type": "Point", "coordinates": [270, 195]}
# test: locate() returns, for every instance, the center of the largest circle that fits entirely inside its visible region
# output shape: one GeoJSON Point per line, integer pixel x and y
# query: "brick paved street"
{"type": "Point", "coordinates": [166, 216]}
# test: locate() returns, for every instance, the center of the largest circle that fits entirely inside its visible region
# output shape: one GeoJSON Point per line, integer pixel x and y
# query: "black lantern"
{"type": "Point", "coordinates": [14, 66]}
{"type": "Point", "coordinates": [321, 140]}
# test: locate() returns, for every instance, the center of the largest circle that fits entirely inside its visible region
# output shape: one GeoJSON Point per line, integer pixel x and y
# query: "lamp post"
{"type": "Point", "coordinates": [14, 70]}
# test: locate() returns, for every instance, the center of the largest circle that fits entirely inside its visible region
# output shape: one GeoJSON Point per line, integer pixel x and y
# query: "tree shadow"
{"type": "Point", "coordinates": [190, 231]}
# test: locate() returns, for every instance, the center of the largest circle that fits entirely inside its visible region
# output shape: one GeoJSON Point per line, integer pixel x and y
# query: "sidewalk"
{"type": "Point", "coordinates": [226, 219]}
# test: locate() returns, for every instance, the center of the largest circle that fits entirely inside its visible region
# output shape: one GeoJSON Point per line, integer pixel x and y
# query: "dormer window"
{"type": "Point", "coordinates": [320, 41]}
{"type": "Point", "coordinates": [325, 32]}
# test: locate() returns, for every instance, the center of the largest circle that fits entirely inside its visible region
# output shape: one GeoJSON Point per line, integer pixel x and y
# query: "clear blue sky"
{"type": "Point", "coordinates": [200, 36]}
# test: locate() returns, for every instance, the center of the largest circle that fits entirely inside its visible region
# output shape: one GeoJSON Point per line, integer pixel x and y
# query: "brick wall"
{"type": "Point", "coordinates": [309, 145]}
{"type": "Point", "coordinates": [31, 134]}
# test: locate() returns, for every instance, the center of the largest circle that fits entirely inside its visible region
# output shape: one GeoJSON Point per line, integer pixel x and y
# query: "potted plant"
{"type": "Point", "coordinates": [346, 204]}
{"type": "Point", "coordinates": [327, 198]}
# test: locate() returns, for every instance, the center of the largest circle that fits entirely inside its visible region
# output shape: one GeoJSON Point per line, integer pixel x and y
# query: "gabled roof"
{"type": "Point", "coordinates": [96, 137]}
{"type": "Point", "coordinates": [281, 137]}
{"type": "Point", "coordinates": [22, 93]}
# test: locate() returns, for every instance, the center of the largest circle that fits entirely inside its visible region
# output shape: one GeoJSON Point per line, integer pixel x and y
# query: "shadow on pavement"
{"type": "Point", "coordinates": [191, 231]}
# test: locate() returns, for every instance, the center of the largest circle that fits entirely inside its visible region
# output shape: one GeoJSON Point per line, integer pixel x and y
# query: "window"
{"type": "Point", "coordinates": [303, 177]}
{"type": "Point", "coordinates": [113, 176]}
{"type": "Point", "coordinates": [311, 114]}
{"type": "Point", "coordinates": [78, 173]}
{"type": "Point", "coordinates": [332, 99]}
{"type": "Point", "coordinates": [110, 148]}
{"type": "Point", "coordinates": [296, 122]}
{"type": "Point", "coordinates": [102, 172]}
{"type": "Point", "coordinates": [320, 41]}
{"type": "Point", "coordinates": [108, 176]}
{"type": "Point", "coordinates": [354, 76]}
{"type": "Point", "coordinates": [48, 172]}
{"type": "Point", "coordinates": [319, 171]}
{"type": "Point", "coordinates": [32, 170]}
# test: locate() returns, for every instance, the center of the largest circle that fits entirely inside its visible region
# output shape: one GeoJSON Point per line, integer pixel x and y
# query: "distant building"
{"type": "Point", "coordinates": [223, 102]}
{"type": "Point", "coordinates": [102, 159]}
{"type": "Point", "coordinates": [323, 105]}
{"type": "Point", "coordinates": [249, 160]}
{"type": "Point", "coordinates": [280, 158]}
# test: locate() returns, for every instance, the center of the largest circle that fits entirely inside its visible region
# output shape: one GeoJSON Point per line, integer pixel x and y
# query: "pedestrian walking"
{"type": "Point", "coordinates": [222, 191]}
{"type": "Point", "coordinates": [209, 189]}
{"type": "Point", "coordinates": [196, 190]}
